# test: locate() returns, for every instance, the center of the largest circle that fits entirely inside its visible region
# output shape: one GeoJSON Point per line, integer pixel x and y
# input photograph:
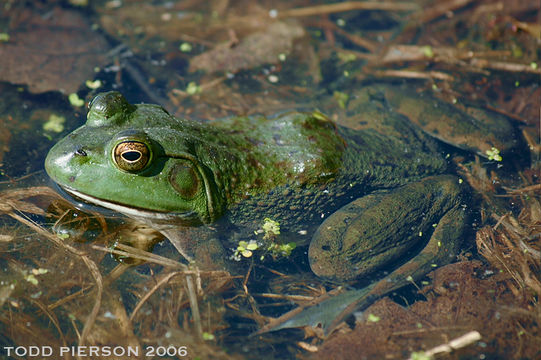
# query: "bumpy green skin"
{"type": "Point", "coordinates": [378, 229]}
{"type": "Point", "coordinates": [296, 168]}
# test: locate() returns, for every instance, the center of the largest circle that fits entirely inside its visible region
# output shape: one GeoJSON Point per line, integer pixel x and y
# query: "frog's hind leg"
{"type": "Point", "coordinates": [377, 231]}
{"type": "Point", "coordinates": [441, 249]}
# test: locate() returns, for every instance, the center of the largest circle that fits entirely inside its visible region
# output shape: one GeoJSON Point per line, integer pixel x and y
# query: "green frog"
{"type": "Point", "coordinates": [366, 197]}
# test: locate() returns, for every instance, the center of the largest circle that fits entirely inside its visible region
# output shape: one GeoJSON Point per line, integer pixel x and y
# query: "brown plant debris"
{"type": "Point", "coordinates": [348, 6]}
{"type": "Point", "coordinates": [60, 51]}
{"type": "Point", "coordinates": [513, 246]}
{"type": "Point", "coordinates": [463, 297]}
{"type": "Point", "coordinates": [258, 48]}
{"type": "Point", "coordinates": [63, 292]}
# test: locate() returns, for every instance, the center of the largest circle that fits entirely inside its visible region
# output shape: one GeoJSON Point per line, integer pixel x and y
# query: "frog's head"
{"type": "Point", "coordinates": [137, 160]}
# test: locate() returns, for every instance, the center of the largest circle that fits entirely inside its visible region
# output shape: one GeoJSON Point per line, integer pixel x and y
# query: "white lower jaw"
{"type": "Point", "coordinates": [128, 211]}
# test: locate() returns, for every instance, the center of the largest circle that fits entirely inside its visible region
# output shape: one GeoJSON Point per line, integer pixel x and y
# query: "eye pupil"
{"type": "Point", "coordinates": [131, 156]}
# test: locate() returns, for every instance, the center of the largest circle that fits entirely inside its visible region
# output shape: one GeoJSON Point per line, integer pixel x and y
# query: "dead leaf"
{"type": "Point", "coordinates": [54, 52]}
{"type": "Point", "coordinates": [259, 48]}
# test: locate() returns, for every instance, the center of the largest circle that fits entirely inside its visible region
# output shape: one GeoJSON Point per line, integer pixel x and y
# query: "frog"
{"type": "Point", "coordinates": [361, 198]}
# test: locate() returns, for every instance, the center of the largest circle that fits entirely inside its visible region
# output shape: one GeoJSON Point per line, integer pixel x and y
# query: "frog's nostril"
{"type": "Point", "coordinates": [326, 247]}
{"type": "Point", "coordinates": [80, 152]}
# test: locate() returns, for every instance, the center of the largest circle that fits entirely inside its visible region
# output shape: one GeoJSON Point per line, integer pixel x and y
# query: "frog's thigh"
{"type": "Point", "coordinates": [376, 231]}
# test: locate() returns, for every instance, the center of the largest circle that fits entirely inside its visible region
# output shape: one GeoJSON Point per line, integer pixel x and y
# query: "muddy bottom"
{"type": "Point", "coordinates": [463, 297]}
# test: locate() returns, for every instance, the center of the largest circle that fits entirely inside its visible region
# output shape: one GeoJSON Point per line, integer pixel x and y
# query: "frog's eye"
{"type": "Point", "coordinates": [185, 180]}
{"type": "Point", "coordinates": [131, 156]}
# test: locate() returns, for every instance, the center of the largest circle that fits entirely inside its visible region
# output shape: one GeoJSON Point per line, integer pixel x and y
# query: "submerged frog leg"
{"type": "Point", "coordinates": [179, 238]}
{"type": "Point", "coordinates": [440, 200]}
{"type": "Point", "coordinates": [440, 250]}
{"type": "Point", "coordinates": [311, 313]}
{"type": "Point", "coordinates": [199, 246]}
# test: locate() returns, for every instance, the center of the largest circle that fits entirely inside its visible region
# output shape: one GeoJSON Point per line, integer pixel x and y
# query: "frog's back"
{"type": "Point", "coordinates": [315, 167]}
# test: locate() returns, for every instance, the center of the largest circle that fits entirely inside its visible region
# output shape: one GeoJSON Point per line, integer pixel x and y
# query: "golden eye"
{"type": "Point", "coordinates": [131, 156]}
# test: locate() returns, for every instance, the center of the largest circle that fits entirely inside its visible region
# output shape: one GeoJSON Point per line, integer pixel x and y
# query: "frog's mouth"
{"type": "Point", "coordinates": [95, 204]}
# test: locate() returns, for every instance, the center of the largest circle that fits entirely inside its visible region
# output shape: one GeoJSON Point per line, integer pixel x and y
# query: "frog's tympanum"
{"type": "Point", "coordinates": [368, 197]}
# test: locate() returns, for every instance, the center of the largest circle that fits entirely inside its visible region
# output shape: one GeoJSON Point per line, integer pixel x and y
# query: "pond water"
{"type": "Point", "coordinates": [292, 110]}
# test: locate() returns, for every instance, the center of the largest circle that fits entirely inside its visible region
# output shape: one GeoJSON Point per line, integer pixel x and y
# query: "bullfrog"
{"type": "Point", "coordinates": [366, 197]}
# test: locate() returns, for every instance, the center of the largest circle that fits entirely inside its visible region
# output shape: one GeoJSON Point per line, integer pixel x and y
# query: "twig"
{"type": "Point", "coordinates": [135, 253]}
{"type": "Point", "coordinates": [257, 314]}
{"type": "Point", "coordinates": [347, 6]}
{"type": "Point", "coordinates": [531, 188]}
{"type": "Point", "coordinates": [505, 66]}
{"type": "Point", "coordinates": [414, 74]}
{"type": "Point", "coordinates": [52, 317]}
{"type": "Point", "coordinates": [68, 298]}
{"type": "Point", "coordinates": [506, 113]}
{"type": "Point", "coordinates": [357, 40]}
{"type": "Point", "coordinates": [286, 297]}
{"type": "Point", "coordinates": [11, 181]}
{"type": "Point", "coordinates": [192, 296]}
{"type": "Point", "coordinates": [427, 329]}
{"type": "Point", "coordinates": [91, 265]}
{"type": "Point", "coordinates": [149, 293]}
{"type": "Point", "coordinates": [455, 344]}
{"type": "Point", "coordinates": [440, 9]}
